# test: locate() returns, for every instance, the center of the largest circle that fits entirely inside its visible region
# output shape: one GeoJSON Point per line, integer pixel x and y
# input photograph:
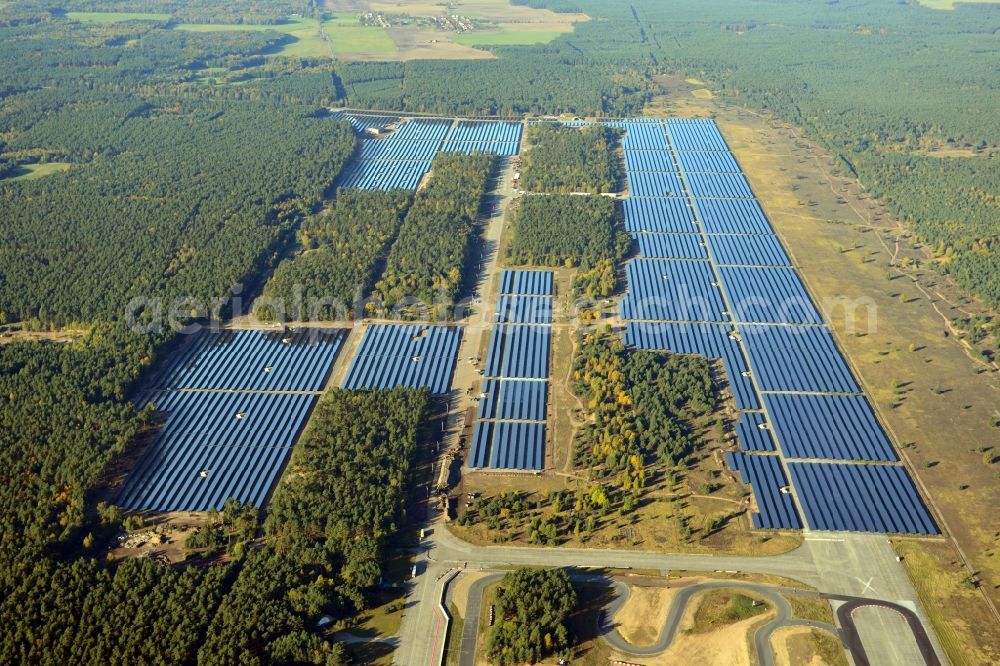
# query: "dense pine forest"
{"type": "Point", "coordinates": [563, 229]}
{"type": "Point", "coordinates": [568, 159]}
{"type": "Point", "coordinates": [343, 249]}
{"type": "Point", "coordinates": [427, 262]}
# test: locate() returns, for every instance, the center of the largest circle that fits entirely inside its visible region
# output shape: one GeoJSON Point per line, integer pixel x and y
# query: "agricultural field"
{"type": "Point", "coordinates": [503, 24]}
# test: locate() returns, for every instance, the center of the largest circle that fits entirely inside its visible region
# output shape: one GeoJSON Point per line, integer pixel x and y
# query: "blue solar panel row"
{"type": "Point", "coordinates": [695, 134]}
{"type": "Point", "coordinates": [398, 161]}
{"type": "Point", "coordinates": [719, 186]}
{"type": "Point", "coordinates": [662, 215]}
{"type": "Point", "coordinates": [469, 147]}
{"type": "Point", "coordinates": [709, 340]}
{"type": "Point", "coordinates": [651, 184]}
{"type": "Point", "coordinates": [519, 352]}
{"type": "Point", "coordinates": [796, 358]}
{"type": "Point", "coordinates": [255, 361]}
{"type": "Point", "coordinates": [753, 433]}
{"type": "Point", "coordinates": [860, 498]}
{"type": "Point", "coordinates": [768, 295]}
{"type": "Point", "coordinates": [732, 216]}
{"type": "Point", "coordinates": [708, 161]}
{"type": "Point", "coordinates": [390, 149]}
{"type": "Point", "coordinates": [765, 475]}
{"type": "Point", "coordinates": [729, 250]}
{"type": "Point", "coordinates": [526, 283]}
{"type": "Point", "coordinates": [649, 160]}
{"type": "Point", "coordinates": [666, 290]}
{"type": "Point", "coordinates": [517, 309]}
{"type": "Point", "coordinates": [835, 427]}
{"type": "Point", "coordinates": [421, 130]}
{"type": "Point", "coordinates": [508, 445]}
{"type": "Point", "coordinates": [384, 175]}
{"type": "Point", "coordinates": [672, 246]}
{"type": "Point", "coordinates": [643, 136]}
{"type": "Point", "coordinates": [361, 123]}
{"type": "Point", "coordinates": [480, 131]}
{"type": "Point", "coordinates": [513, 399]}
{"type": "Point", "coordinates": [411, 355]}
{"type": "Point", "coordinates": [215, 445]}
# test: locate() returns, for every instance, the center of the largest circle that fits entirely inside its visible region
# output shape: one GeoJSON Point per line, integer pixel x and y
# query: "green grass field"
{"type": "Point", "coordinates": [343, 32]}
{"type": "Point", "coordinates": [114, 17]}
{"type": "Point", "coordinates": [347, 35]}
{"type": "Point", "coordinates": [32, 171]}
{"type": "Point", "coordinates": [506, 38]}
{"type": "Point", "coordinates": [309, 42]}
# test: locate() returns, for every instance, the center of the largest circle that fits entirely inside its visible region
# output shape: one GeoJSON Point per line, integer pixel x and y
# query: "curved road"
{"type": "Point", "coordinates": [845, 566]}
{"type": "Point", "coordinates": [762, 637]}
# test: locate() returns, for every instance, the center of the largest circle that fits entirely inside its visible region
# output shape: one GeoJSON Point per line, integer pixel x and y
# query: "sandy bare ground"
{"type": "Point", "coordinates": [727, 646]}
{"type": "Point", "coordinates": [640, 620]}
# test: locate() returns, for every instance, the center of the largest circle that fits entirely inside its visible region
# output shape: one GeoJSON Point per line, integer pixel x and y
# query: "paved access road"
{"type": "Point", "coordinates": [850, 565]}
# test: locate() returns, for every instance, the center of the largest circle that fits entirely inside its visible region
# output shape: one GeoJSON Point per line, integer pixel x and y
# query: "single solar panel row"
{"type": "Point", "coordinates": [672, 246]}
{"type": "Point", "coordinates": [513, 399]}
{"type": "Point", "coordinates": [508, 445]}
{"type": "Point", "coordinates": [413, 355]}
{"type": "Point", "coordinates": [796, 358]}
{"type": "Point", "coordinates": [860, 498]}
{"type": "Point", "coordinates": [526, 283]}
{"type": "Point", "coordinates": [835, 427]}
{"type": "Point", "coordinates": [254, 360]}
{"type": "Point", "coordinates": [753, 432]}
{"type": "Point", "coordinates": [708, 340]}
{"type": "Point", "coordinates": [668, 290]}
{"type": "Point", "coordinates": [213, 446]}
{"type": "Point", "coordinates": [765, 475]}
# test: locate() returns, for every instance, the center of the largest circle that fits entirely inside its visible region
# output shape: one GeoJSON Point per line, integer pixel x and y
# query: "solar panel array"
{"type": "Point", "coordinates": [711, 278]}
{"type": "Point", "coordinates": [401, 159]}
{"type": "Point", "coordinates": [412, 355]}
{"type": "Point", "coordinates": [232, 405]}
{"type": "Point", "coordinates": [510, 426]}
{"type": "Point", "coordinates": [480, 136]}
